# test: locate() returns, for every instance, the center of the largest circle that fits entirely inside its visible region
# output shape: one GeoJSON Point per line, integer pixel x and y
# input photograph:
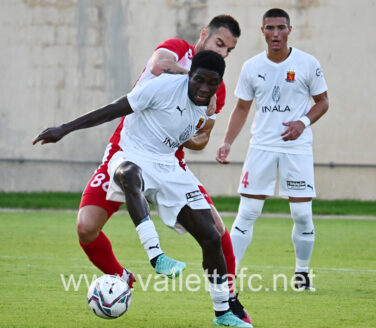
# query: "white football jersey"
{"type": "Point", "coordinates": [282, 93]}
{"type": "Point", "coordinates": [164, 118]}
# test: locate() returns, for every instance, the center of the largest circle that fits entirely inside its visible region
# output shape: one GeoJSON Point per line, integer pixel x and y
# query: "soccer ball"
{"type": "Point", "coordinates": [109, 296]}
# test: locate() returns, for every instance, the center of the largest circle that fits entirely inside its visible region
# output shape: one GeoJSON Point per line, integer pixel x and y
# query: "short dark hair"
{"type": "Point", "coordinates": [276, 12]}
{"type": "Point", "coordinates": [225, 21]}
{"type": "Point", "coordinates": [209, 60]}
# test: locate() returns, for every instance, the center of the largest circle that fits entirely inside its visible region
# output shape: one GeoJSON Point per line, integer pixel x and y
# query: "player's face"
{"type": "Point", "coordinates": [276, 32]}
{"type": "Point", "coordinates": [203, 84]}
{"type": "Point", "coordinates": [220, 41]}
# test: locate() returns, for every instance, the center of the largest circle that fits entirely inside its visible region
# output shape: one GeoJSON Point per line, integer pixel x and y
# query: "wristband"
{"type": "Point", "coordinates": [306, 121]}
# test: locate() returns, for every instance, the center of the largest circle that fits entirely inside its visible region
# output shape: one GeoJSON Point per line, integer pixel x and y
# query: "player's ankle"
{"type": "Point", "coordinates": [219, 313]}
{"type": "Point", "coordinates": [153, 261]}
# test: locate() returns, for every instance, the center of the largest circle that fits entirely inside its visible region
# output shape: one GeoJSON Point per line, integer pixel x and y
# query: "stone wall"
{"type": "Point", "coordinates": [62, 58]}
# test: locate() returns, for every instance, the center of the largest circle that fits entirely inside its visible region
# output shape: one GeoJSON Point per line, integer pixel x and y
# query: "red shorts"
{"type": "Point", "coordinates": [96, 190]}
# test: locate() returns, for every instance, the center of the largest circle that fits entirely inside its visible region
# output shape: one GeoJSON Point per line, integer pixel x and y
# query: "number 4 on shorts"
{"type": "Point", "coordinates": [245, 180]}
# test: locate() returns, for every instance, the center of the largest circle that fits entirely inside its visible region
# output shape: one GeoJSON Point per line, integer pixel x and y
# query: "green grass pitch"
{"type": "Point", "coordinates": [39, 252]}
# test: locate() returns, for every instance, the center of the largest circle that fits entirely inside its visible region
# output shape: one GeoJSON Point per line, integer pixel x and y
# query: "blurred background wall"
{"type": "Point", "coordinates": [62, 58]}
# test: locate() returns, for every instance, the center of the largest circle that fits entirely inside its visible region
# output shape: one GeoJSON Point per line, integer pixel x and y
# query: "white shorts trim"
{"type": "Point", "coordinates": [260, 169]}
{"type": "Point", "coordinates": [168, 187]}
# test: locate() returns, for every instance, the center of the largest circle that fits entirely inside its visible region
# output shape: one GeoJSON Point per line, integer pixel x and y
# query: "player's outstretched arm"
{"type": "Point", "coordinates": [235, 124]}
{"type": "Point", "coordinates": [118, 108]}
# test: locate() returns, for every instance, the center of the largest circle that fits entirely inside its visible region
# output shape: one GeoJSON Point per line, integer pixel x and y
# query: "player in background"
{"type": "Point", "coordinates": [172, 56]}
{"type": "Point", "coordinates": [145, 167]}
{"type": "Point", "coordinates": [282, 82]}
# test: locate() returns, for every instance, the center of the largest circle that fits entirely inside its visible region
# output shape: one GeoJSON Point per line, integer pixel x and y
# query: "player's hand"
{"type": "Point", "coordinates": [212, 107]}
{"type": "Point", "coordinates": [223, 152]}
{"type": "Point", "coordinates": [293, 131]}
{"type": "Point", "coordinates": [53, 134]}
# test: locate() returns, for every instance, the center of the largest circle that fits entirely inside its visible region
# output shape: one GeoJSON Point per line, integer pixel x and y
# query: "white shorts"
{"type": "Point", "coordinates": [168, 187]}
{"type": "Point", "coordinates": [259, 174]}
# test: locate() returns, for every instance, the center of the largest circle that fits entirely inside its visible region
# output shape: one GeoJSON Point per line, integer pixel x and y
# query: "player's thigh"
{"type": "Point", "coordinates": [96, 190]}
{"type": "Point", "coordinates": [199, 223]}
{"type": "Point", "coordinates": [219, 224]}
{"type": "Point", "coordinates": [296, 176]}
{"type": "Point", "coordinates": [259, 173]}
{"type": "Point", "coordinates": [171, 190]}
{"type": "Point", "coordinates": [217, 218]}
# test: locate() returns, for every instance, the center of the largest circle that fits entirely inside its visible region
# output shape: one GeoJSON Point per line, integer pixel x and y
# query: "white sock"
{"type": "Point", "coordinates": [149, 238]}
{"type": "Point", "coordinates": [303, 234]}
{"type": "Point", "coordinates": [242, 229]}
{"type": "Point", "coordinates": [219, 292]}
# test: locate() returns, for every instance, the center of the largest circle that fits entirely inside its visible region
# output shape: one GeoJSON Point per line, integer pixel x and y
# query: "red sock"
{"type": "Point", "coordinates": [100, 253]}
{"type": "Point", "coordinates": [228, 252]}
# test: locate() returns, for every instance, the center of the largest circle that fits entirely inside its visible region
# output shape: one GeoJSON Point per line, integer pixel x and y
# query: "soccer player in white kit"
{"type": "Point", "coordinates": [161, 115]}
{"type": "Point", "coordinates": [282, 82]}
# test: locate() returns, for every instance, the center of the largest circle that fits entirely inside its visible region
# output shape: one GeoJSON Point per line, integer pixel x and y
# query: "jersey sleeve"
{"type": "Point", "coordinates": [221, 97]}
{"type": "Point", "coordinates": [178, 47]}
{"type": "Point", "coordinates": [244, 88]}
{"type": "Point", "coordinates": [145, 96]}
{"type": "Point", "coordinates": [317, 83]}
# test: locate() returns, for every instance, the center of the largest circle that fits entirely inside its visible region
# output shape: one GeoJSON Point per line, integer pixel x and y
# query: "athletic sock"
{"type": "Point", "coordinates": [219, 293]}
{"type": "Point", "coordinates": [101, 255]}
{"type": "Point", "coordinates": [149, 238]}
{"type": "Point", "coordinates": [242, 229]}
{"type": "Point", "coordinates": [228, 253]}
{"type": "Point", "coordinates": [303, 234]}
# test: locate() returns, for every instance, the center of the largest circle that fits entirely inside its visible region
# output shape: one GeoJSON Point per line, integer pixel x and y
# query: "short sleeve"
{"type": "Point", "coordinates": [143, 97]}
{"type": "Point", "coordinates": [244, 88]}
{"type": "Point", "coordinates": [317, 83]}
{"type": "Point", "coordinates": [178, 47]}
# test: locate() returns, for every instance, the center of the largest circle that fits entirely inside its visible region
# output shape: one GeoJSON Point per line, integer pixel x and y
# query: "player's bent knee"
{"type": "Point", "coordinates": [128, 177]}
{"type": "Point", "coordinates": [301, 213]}
{"type": "Point", "coordinates": [90, 221]}
{"type": "Point", "coordinates": [212, 242]}
{"type": "Point", "coordinates": [87, 233]}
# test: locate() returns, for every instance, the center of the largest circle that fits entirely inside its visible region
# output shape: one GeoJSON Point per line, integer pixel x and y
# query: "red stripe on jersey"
{"type": "Point", "coordinates": [116, 136]}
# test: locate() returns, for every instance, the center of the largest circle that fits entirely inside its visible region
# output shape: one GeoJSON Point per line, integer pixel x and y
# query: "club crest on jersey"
{"type": "Point", "coordinates": [276, 95]}
{"type": "Point", "coordinates": [290, 76]}
{"type": "Point", "coordinates": [200, 122]}
{"type": "Point", "coordinates": [187, 134]}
